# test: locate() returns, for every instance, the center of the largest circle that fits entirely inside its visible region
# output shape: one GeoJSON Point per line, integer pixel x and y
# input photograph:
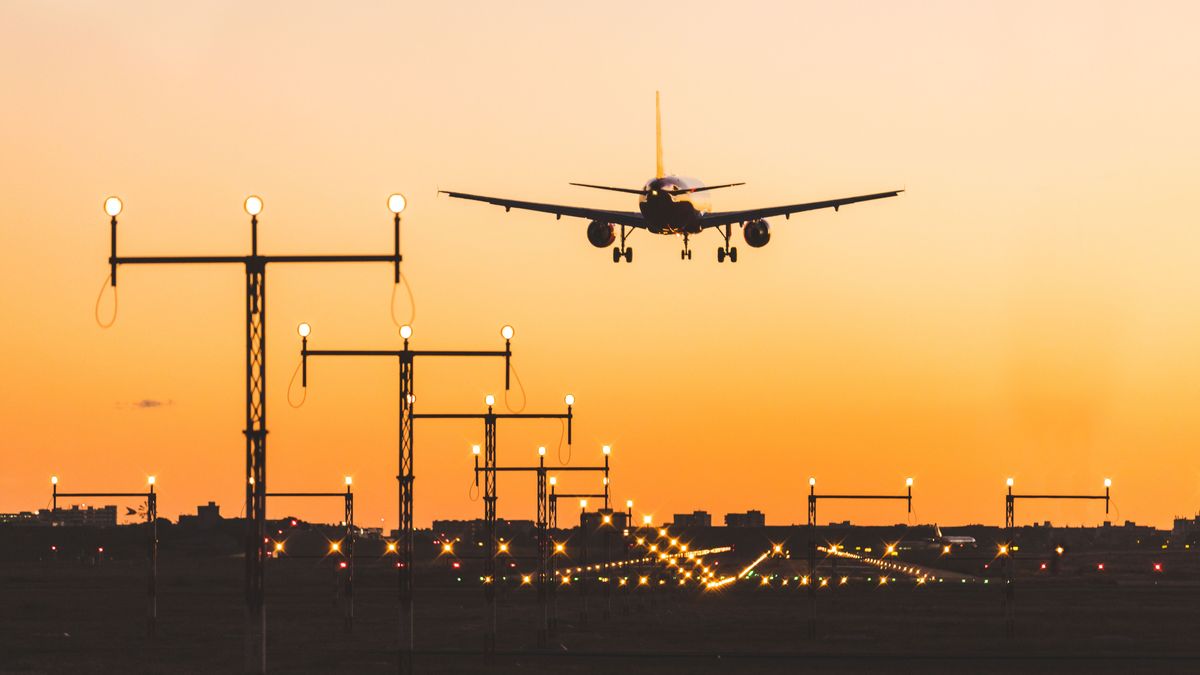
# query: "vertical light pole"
{"type": "Point", "coordinates": [407, 358]}
{"type": "Point", "coordinates": [151, 498]}
{"type": "Point", "coordinates": [255, 266]}
{"type": "Point", "coordinates": [1008, 550]}
{"type": "Point", "coordinates": [490, 418]}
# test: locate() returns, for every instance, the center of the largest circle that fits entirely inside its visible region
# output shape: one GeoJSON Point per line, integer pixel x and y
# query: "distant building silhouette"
{"type": "Point", "coordinates": [693, 519]}
{"type": "Point", "coordinates": [753, 518]}
{"type": "Point", "coordinates": [21, 518]}
{"type": "Point", "coordinates": [91, 516]}
{"type": "Point", "coordinates": [594, 520]}
{"type": "Point", "coordinates": [207, 517]}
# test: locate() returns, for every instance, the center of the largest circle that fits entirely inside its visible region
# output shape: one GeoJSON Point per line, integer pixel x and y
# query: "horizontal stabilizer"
{"type": "Point", "coordinates": [631, 191]}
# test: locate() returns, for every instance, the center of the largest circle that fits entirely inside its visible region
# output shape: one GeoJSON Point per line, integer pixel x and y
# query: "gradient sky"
{"type": "Point", "coordinates": [1030, 307]}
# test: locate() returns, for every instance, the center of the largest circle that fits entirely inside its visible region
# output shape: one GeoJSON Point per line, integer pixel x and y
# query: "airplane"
{"type": "Point", "coordinates": [671, 205]}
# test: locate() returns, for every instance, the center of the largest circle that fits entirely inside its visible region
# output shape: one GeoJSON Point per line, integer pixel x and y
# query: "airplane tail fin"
{"type": "Point", "coordinates": [658, 172]}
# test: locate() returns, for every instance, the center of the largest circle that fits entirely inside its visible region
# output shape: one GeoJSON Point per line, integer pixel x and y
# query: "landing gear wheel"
{"type": "Point", "coordinates": [683, 255]}
{"type": "Point", "coordinates": [733, 254]}
{"type": "Point", "coordinates": [720, 255]}
{"type": "Point", "coordinates": [689, 255]}
{"type": "Point", "coordinates": [629, 255]}
{"type": "Point", "coordinates": [616, 254]}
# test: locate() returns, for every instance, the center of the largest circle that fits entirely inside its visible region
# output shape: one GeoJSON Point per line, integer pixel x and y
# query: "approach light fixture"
{"type": "Point", "coordinates": [554, 480]}
{"type": "Point", "coordinates": [489, 400]}
{"type": "Point", "coordinates": [583, 503]}
{"type": "Point", "coordinates": [396, 203]}
{"type": "Point", "coordinates": [54, 480]}
{"type": "Point", "coordinates": [406, 331]}
{"type": "Point", "coordinates": [304, 330]}
{"type": "Point", "coordinates": [908, 482]}
{"type": "Point", "coordinates": [812, 482]}
{"type": "Point", "coordinates": [150, 480]}
{"type": "Point", "coordinates": [629, 503]}
{"type": "Point", "coordinates": [253, 205]}
{"type": "Point", "coordinates": [541, 451]}
{"type": "Point", "coordinates": [570, 399]}
{"type": "Point", "coordinates": [1107, 482]}
{"type": "Point", "coordinates": [1009, 482]}
{"type": "Point", "coordinates": [474, 449]}
{"type": "Point", "coordinates": [112, 206]}
{"type": "Point", "coordinates": [606, 450]}
{"type": "Point", "coordinates": [506, 332]}
{"type": "Point", "coordinates": [349, 480]}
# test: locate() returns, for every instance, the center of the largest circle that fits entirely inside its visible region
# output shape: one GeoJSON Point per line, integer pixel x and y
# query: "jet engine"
{"type": "Point", "coordinates": [600, 234]}
{"type": "Point", "coordinates": [756, 232]}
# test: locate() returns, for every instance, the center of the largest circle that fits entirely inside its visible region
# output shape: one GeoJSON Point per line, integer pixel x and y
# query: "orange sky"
{"type": "Point", "coordinates": [1030, 307]}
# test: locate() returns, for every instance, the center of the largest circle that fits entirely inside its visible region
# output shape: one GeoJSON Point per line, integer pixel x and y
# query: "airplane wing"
{"type": "Point", "coordinates": [728, 217]}
{"type": "Point", "coordinates": [628, 218]}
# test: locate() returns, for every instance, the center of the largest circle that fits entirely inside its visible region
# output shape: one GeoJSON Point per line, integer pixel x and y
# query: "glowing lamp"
{"type": "Point", "coordinates": [349, 480]}
{"type": "Point", "coordinates": [406, 331]}
{"type": "Point", "coordinates": [304, 330]}
{"type": "Point", "coordinates": [447, 548]}
{"type": "Point", "coordinates": [570, 399]}
{"type": "Point", "coordinates": [629, 503]}
{"type": "Point", "coordinates": [1107, 482]}
{"type": "Point", "coordinates": [475, 450]}
{"type": "Point", "coordinates": [542, 451]}
{"type": "Point", "coordinates": [396, 203]}
{"type": "Point", "coordinates": [506, 332]}
{"type": "Point", "coordinates": [489, 400]}
{"type": "Point", "coordinates": [54, 480]}
{"type": "Point", "coordinates": [583, 503]}
{"type": "Point", "coordinates": [554, 480]}
{"type": "Point", "coordinates": [1009, 482]}
{"type": "Point", "coordinates": [253, 205]}
{"type": "Point", "coordinates": [908, 482]}
{"type": "Point", "coordinates": [112, 206]}
{"type": "Point", "coordinates": [150, 480]}
{"type": "Point", "coordinates": [646, 520]}
{"type": "Point", "coordinates": [812, 482]}
{"type": "Point", "coordinates": [606, 450]}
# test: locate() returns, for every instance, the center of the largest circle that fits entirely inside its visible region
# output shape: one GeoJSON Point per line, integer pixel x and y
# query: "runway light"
{"type": "Point", "coordinates": [554, 480]}
{"type": "Point", "coordinates": [349, 480]}
{"type": "Point", "coordinates": [662, 532]}
{"type": "Point", "coordinates": [475, 450]}
{"type": "Point", "coordinates": [542, 451]}
{"type": "Point", "coordinates": [342, 564]}
{"type": "Point", "coordinates": [334, 547]}
{"type": "Point", "coordinates": [278, 546]}
{"type": "Point", "coordinates": [1003, 549]}
{"type": "Point", "coordinates": [391, 547]}
{"type": "Point", "coordinates": [946, 549]}
{"type": "Point", "coordinates": [526, 579]}
{"type": "Point", "coordinates": [54, 480]}
{"type": "Point", "coordinates": [1043, 566]}
{"type": "Point", "coordinates": [1058, 550]}
{"type": "Point", "coordinates": [396, 203]}
{"type": "Point", "coordinates": [304, 330]}
{"type": "Point", "coordinates": [447, 547]}
{"type": "Point", "coordinates": [606, 450]}
{"type": "Point", "coordinates": [1009, 482]}
{"type": "Point", "coordinates": [812, 482]}
{"type": "Point", "coordinates": [506, 332]}
{"type": "Point", "coordinates": [629, 503]}
{"type": "Point", "coordinates": [908, 482]}
{"type": "Point", "coordinates": [642, 581]}
{"type": "Point", "coordinates": [489, 400]}
{"type": "Point", "coordinates": [504, 547]}
{"type": "Point", "coordinates": [1157, 567]}
{"type": "Point", "coordinates": [406, 331]}
{"type": "Point", "coordinates": [559, 548]}
{"type": "Point", "coordinates": [583, 503]}
{"type": "Point", "coordinates": [646, 520]}
{"type": "Point", "coordinates": [1100, 566]}
{"type": "Point", "coordinates": [253, 205]}
{"type": "Point", "coordinates": [570, 399]}
{"type": "Point", "coordinates": [150, 480]}
{"type": "Point", "coordinates": [607, 518]}
{"type": "Point", "coordinates": [1107, 482]}
{"type": "Point", "coordinates": [112, 206]}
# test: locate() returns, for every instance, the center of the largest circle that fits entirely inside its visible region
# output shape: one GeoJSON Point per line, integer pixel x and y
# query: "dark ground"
{"type": "Point", "coordinates": [72, 618]}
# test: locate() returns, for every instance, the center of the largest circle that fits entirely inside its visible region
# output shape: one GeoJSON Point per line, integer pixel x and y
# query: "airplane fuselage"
{"type": "Point", "coordinates": [669, 206]}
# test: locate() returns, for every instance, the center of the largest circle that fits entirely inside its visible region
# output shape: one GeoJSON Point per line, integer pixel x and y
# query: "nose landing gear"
{"type": "Point", "coordinates": [727, 251]}
{"type": "Point", "coordinates": [686, 253]}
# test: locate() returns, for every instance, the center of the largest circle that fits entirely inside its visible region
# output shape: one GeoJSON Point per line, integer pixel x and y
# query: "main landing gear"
{"type": "Point", "coordinates": [686, 253]}
{"type": "Point", "coordinates": [622, 251]}
{"type": "Point", "coordinates": [727, 251]}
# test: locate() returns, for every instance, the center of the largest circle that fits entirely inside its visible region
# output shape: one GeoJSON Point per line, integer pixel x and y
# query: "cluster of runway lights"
{"type": "Point", "coordinates": [254, 205]}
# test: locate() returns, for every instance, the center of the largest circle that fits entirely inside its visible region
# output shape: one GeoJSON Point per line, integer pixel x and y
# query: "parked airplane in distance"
{"type": "Point", "coordinates": [671, 205]}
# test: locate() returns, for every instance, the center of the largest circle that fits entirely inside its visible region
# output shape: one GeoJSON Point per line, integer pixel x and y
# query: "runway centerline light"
{"type": "Point", "coordinates": [253, 205]}
{"type": "Point", "coordinates": [112, 206]}
{"type": "Point", "coordinates": [396, 203]}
